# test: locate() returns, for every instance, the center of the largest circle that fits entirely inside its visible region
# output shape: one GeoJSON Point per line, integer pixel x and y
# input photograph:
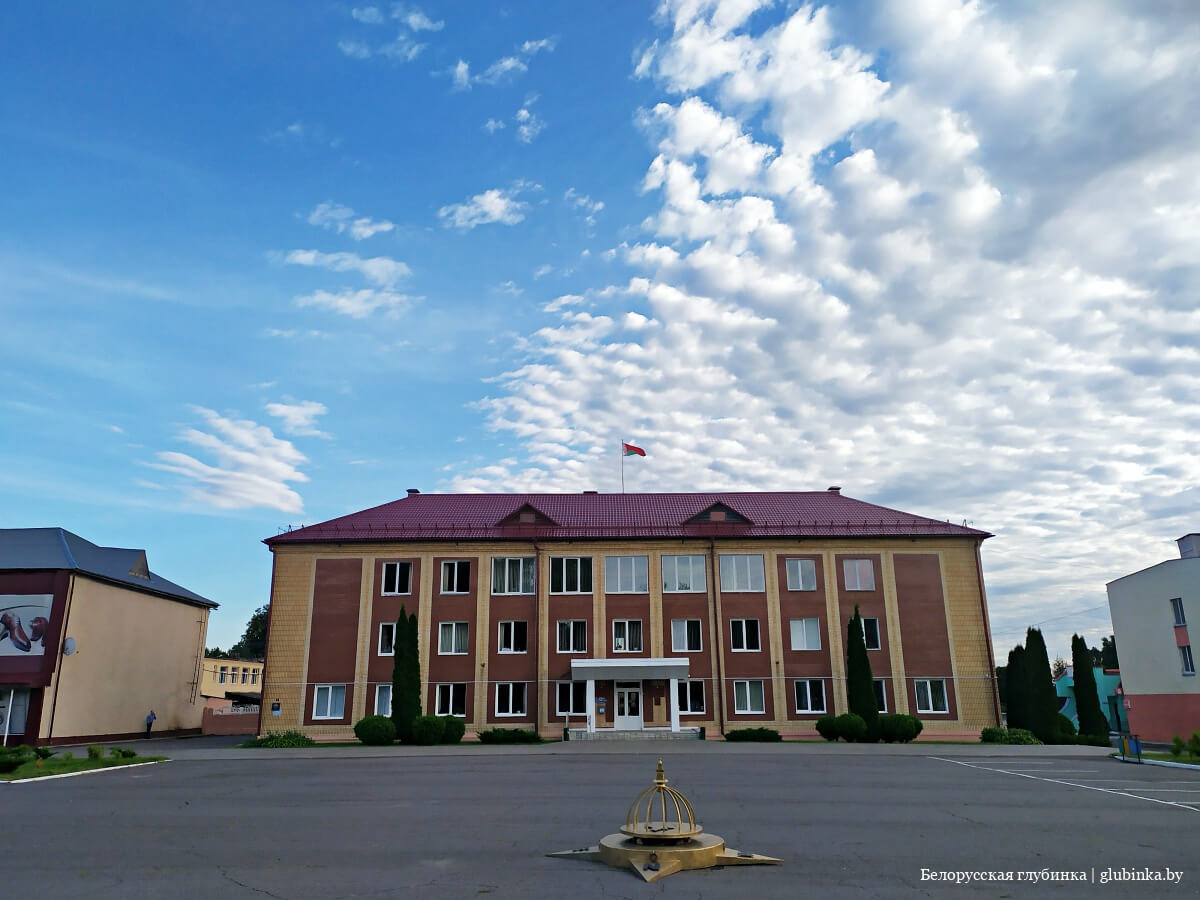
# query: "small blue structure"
{"type": "Point", "coordinates": [1108, 687]}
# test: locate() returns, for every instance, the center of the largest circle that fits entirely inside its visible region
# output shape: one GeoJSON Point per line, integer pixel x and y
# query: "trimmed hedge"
{"type": "Point", "coordinates": [827, 727]}
{"type": "Point", "coordinates": [753, 734]}
{"type": "Point", "coordinates": [1066, 728]}
{"type": "Point", "coordinates": [995, 735]}
{"type": "Point", "coordinates": [282, 740]}
{"type": "Point", "coordinates": [851, 727]}
{"type": "Point", "coordinates": [898, 728]}
{"type": "Point", "coordinates": [428, 730]}
{"type": "Point", "coordinates": [454, 730]}
{"type": "Point", "coordinates": [509, 736]}
{"type": "Point", "coordinates": [376, 731]}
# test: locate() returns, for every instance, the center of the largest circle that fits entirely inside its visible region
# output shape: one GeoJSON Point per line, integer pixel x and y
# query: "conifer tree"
{"type": "Point", "coordinates": [1043, 701]}
{"type": "Point", "coordinates": [1016, 699]}
{"type": "Point", "coordinates": [1087, 698]}
{"type": "Point", "coordinates": [406, 676]}
{"type": "Point", "coordinates": [860, 683]}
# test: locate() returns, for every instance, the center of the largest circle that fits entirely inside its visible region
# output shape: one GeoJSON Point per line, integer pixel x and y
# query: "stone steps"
{"type": "Point", "coordinates": [646, 734]}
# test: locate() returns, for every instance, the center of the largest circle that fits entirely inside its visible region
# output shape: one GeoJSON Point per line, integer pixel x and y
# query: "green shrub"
{"type": "Point", "coordinates": [1066, 728]}
{"type": "Point", "coordinates": [1178, 745]}
{"type": "Point", "coordinates": [1021, 736]}
{"type": "Point", "coordinates": [1193, 744]}
{"type": "Point", "coordinates": [427, 730]}
{"type": "Point", "coordinates": [827, 727]}
{"type": "Point", "coordinates": [851, 727]}
{"type": "Point", "coordinates": [43, 752]}
{"type": "Point", "coordinates": [992, 735]}
{"type": "Point", "coordinates": [127, 753]}
{"type": "Point", "coordinates": [281, 740]}
{"type": "Point", "coordinates": [898, 728]}
{"type": "Point", "coordinates": [115, 752]}
{"type": "Point", "coordinates": [67, 754]}
{"type": "Point", "coordinates": [95, 751]}
{"type": "Point", "coordinates": [753, 734]}
{"type": "Point", "coordinates": [509, 736]}
{"type": "Point", "coordinates": [376, 731]}
{"type": "Point", "coordinates": [11, 757]}
{"type": "Point", "coordinates": [454, 730]}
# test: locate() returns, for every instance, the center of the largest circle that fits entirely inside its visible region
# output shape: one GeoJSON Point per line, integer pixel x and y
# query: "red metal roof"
{"type": "Point", "coordinates": [424, 517]}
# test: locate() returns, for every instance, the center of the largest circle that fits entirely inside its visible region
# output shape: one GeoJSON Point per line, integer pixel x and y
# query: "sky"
{"type": "Point", "coordinates": [263, 264]}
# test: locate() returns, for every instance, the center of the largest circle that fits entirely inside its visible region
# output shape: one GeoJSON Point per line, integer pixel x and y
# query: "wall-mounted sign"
{"type": "Point", "coordinates": [24, 622]}
{"type": "Point", "coordinates": [275, 710]}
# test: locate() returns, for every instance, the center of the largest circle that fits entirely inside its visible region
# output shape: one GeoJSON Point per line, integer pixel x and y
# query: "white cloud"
{"type": "Point", "coordinates": [354, 49]}
{"type": "Point", "coordinates": [358, 304]}
{"type": "Point", "coordinates": [543, 270]}
{"type": "Point", "coordinates": [585, 203]}
{"type": "Point", "coordinates": [341, 219]}
{"type": "Point", "coordinates": [299, 418]}
{"type": "Point", "coordinates": [249, 466]}
{"type": "Point", "coordinates": [461, 76]}
{"type": "Point", "coordinates": [369, 15]}
{"type": "Point", "coordinates": [494, 205]}
{"type": "Point", "coordinates": [491, 126]}
{"type": "Point", "coordinates": [502, 67]}
{"type": "Point", "coordinates": [380, 270]}
{"type": "Point", "coordinates": [416, 19]}
{"type": "Point", "coordinates": [966, 290]}
{"type": "Point", "coordinates": [529, 124]}
{"type": "Point", "coordinates": [404, 46]}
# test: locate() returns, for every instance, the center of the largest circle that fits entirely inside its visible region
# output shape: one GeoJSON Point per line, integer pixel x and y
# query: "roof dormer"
{"type": "Point", "coordinates": [526, 514]}
{"type": "Point", "coordinates": [719, 513]}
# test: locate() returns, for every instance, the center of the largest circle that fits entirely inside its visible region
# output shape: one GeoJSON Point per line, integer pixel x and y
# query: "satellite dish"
{"type": "Point", "coordinates": [69, 646]}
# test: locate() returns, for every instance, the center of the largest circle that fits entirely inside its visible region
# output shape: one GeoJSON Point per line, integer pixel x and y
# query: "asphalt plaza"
{"type": "Point", "coordinates": [476, 821]}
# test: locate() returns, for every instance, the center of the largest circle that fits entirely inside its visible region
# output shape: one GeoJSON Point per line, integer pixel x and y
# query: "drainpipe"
{"type": "Point", "coordinates": [715, 610]}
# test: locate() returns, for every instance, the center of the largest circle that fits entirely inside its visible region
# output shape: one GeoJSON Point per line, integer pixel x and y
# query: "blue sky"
{"type": "Point", "coordinates": [264, 264]}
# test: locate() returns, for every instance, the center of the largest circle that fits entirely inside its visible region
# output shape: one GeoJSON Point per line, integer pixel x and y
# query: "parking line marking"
{"type": "Point", "coordinates": [1086, 787]}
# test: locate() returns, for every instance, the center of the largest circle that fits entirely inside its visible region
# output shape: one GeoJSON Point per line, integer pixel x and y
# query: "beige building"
{"type": "Point", "coordinates": [91, 641]}
{"type": "Point", "coordinates": [230, 678]}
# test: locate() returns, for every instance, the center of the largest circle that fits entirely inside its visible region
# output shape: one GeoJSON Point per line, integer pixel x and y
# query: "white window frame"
{"type": "Point", "coordinates": [737, 635]}
{"type": "Point", "coordinates": [254, 676]}
{"type": "Point", "coordinates": [1185, 657]}
{"type": "Point", "coordinates": [743, 573]}
{"type": "Point", "coordinates": [749, 710]}
{"type": "Point", "coordinates": [929, 708]}
{"type": "Point", "coordinates": [444, 708]}
{"type": "Point", "coordinates": [1177, 611]}
{"type": "Point", "coordinates": [328, 690]}
{"type": "Point", "coordinates": [526, 567]}
{"type": "Point", "coordinates": [245, 673]}
{"type": "Point", "coordinates": [454, 629]}
{"type": "Point", "coordinates": [383, 591]}
{"type": "Point", "coordinates": [512, 636]}
{"type": "Point", "coordinates": [512, 691]}
{"type": "Point", "coordinates": [853, 571]}
{"type": "Point", "coordinates": [453, 581]}
{"type": "Point", "coordinates": [795, 568]}
{"type": "Point", "coordinates": [577, 691]}
{"type": "Point", "coordinates": [675, 646]}
{"type": "Point", "coordinates": [670, 570]}
{"type": "Point", "coordinates": [223, 675]}
{"type": "Point", "coordinates": [810, 633]}
{"type": "Point", "coordinates": [560, 567]}
{"type": "Point", "coordinates": [685, 689]}
{"type": "Point", "coordinates": [878, 633]}
{"type": "Point", "coordinates": [572, 622]}
{"type": "Point", "coordinates": [881, 697]}
{"type": "Point", "coordinates": [808, 683]}
{"type": "Point", "coordinates": [380, 689]}
{"type": "Point", "coordinates": [627, 637]}
{"type": "Point", "coordinates": [623, 574]}
{"type": "Point", "coordinates": [386, 627]}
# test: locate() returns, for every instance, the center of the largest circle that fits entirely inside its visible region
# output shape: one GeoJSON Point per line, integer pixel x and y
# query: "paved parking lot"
{"type": "Point", "coordinates": [476, 823]}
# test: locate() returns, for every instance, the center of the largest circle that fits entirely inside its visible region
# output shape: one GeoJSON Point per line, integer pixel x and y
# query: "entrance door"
{"type": "Point", "coordinates": [629, 706]}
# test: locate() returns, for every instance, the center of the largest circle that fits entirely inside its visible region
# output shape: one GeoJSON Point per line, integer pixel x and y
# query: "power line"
{"type": "Point", "coordinates": [1077, 612]}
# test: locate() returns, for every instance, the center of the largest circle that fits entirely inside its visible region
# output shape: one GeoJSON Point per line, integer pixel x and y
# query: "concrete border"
{"type": "Point", "coordinates": [1157, 762]}
{"type": "Point", "coordinates": [154, 762]}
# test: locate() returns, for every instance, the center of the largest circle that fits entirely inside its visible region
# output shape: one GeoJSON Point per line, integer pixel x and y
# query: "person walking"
{"type": "Point", "coordinates": [150, 722]}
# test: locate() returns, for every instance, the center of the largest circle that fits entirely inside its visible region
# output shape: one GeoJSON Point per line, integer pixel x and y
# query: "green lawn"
{"type": "Point", "coordinates": [1167, 757]}
{"type": "Point", "coordinates": [57, 765]}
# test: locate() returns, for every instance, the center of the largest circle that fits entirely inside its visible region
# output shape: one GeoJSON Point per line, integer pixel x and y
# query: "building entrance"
{"type": "Point", "coordinates": [628, 713]}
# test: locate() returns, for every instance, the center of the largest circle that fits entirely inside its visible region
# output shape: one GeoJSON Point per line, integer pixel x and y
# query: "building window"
{"type": "Point", "coordinates": [387, 638]}
{"type": "Point", "coordinates": [383, 699]}
{"type": "Point", "coordinates": [627, 636]}
{"type": "Point", "coordinates": [245, 675]}
{"type": "Point", "coordinates": [510, 698]}
{"type": "Point", "coordinates": [254, 676]}
{"type": "Point", "coordinates": [452, 638]}
{"type": "Point", "coordinates": [452, 700]}
{"type": "Point", "coordinates": [801, 574]}
{"type": "Point", "coordinates": [571, 575]}
{"type": "Point", "coordinates": [514, 637]}
{"type": "Point", "coordinates": [397, 578]}
{"type": "Point", "coordinates": [1189, 666]}
{"type": "Point", "coordinates": [572, 636]}
{"type": "Point", "coordinates": [685, 636]}
{"type": "Point", "coordinates": [691, 697]}
{"type": "Point", "coordinates": [748, 697]}
{"type": "Point", "coordinates": [512, 575]}
{"type": "Point", "coordinates": [329, 701]}
{"type": "Point", "coordinates": [806, 634]}
{"type": "Point", "coordinates": [1177, 610]}
{"type": "Point", "coordinates": [744, 635]}
{"type": "Point", "coordinates": [871, 633]}
{"type": "Point", "coordinates": [572, 698]}
{"type": "Point", "coordinates": [683, 574]}
{"type": "Point", "coordinates": [456, 576]}
{"type": "Point", "coordinates": [810, 695]}
{"type": "Point", "coordinates": [860, 574]}
{"type": "Point", "coordinates": [880, 695]}
{"type": "Point", "coordinates": [221, 677]}
{"type": "Point", "coordinates": [742, 572]}
{"type": "Point", "coordinates": [625, 575]}
{"type": "Point", "coordinates": [931, 695]}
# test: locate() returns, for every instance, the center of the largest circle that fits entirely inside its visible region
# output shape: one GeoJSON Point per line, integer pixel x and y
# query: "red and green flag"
{"type": "Point", "coordinates": [631, 450]}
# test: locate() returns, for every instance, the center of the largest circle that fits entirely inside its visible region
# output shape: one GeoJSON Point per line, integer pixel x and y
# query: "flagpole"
{"type": "Point", "coordinates": [622, 467]}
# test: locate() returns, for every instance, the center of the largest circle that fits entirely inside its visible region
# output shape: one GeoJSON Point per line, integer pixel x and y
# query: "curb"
{"type": "Point", "coordinates": [86, 772]}
{"type": "Point", "coordinates": [1158, 762]}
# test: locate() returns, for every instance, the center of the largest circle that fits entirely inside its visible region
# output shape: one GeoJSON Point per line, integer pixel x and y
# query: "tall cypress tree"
{"type": "Point", "coordinates": [860, 683]}
{"type": "Point", "coordinates": [1043, 701]}
{"type": "Point", "coordinates": [406, 676]}
{"type": "Point", "coordinates": [1016, 698]}
{"type": "Point", "coordinates": [1087, 698]}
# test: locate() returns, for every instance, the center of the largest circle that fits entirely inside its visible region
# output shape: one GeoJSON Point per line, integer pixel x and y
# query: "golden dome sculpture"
{"type": "Point", "coordinates": [661, 836]}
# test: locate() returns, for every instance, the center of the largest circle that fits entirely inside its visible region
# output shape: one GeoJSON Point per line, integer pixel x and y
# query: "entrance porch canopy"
{"type": "Point", "coordinates": [632, 669]}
